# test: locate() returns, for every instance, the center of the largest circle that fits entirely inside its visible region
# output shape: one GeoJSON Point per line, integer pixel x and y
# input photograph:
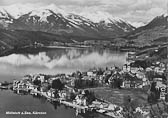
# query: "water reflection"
{"type": "Point", "coordinates": [58, 61]}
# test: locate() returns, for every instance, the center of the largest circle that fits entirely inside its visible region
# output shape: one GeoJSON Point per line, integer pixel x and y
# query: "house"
{"type": "Point", "coordinates": [162, 65]}
{"type": "Point", "coordinates": [128, 68]}
{"type": "Point", "coordinates": [81, 100]}
{"type": "Point", "coordinates": [126, 84]}
{"type": "Point", "coordinates": [30, 86]}
{"type": "Point", "coordinates": [140, 75]}
{"type": "Point", "coordinates": [20, 86]}
{"type": "Point", "coordinates": [34, 77]}
{"type": "Point", "coordinates": [124, 68]}
{"type": "Point", "coordinates": [41, 78]}
{"type": "Point", "coordinates": [107, 72]}
{"type": "Point", "coordinates": [134, 69]}
{"type": "Point", "coordinates": [131, 55]}
{"type": "Point", "coordinates": [52, 79]}
{"type": "Point", "coordinates": [100, 105]}
{"type": "Point", "coordinates": [87, 78]}
{"type": "Point", "coordinates": [62, 94]}
{"type": "Point", "coordinates": [148, 69]}
{"type": "Point", "coordinates": [161, 87]}
{"type": "Point", "coordinates": [144, 113]}
{"type": "Point", "coordinates": [163, 92]}
{"type": "Point", "coordinates": [90, 73]}
{"type": "Point", "coordinates": [15, 84]}
{"type": "Point", "coordinates": [72, 81]}
{"type": "Point", "coordinates": [156, 69]}
{"type": "Point", "coordinates": [145, 82]}
{"type": "Point", "coordinates": [101, 78]}
{"type": "Point", "coordinates": [44, 87]}
{"type": "Point", "coordinates": [51, 93]}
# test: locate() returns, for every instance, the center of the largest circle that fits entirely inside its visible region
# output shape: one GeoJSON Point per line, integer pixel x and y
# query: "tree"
{"type": "Point", "coordinates": [56, 95]}
{"type": "Point", "coordinates": [72, 96]}
{"type": "Point", "coordinates": [100, 72]}
{"type": "Point", "coordinates": [78, 83]}
{"type": "Point", "coordinates": [37, 82]}
{"type": "Point", "coordinates": [129, 108]}
{"type": "Point", "coordinates": [57, 84]}
{"type": "Point", "coordinates": [154, 94]}
{"type": "Point", "coordinates": [90, 96]}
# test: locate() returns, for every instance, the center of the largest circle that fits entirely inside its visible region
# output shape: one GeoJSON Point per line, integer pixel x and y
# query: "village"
{"type": "Point", "coordinates": [82, 90]}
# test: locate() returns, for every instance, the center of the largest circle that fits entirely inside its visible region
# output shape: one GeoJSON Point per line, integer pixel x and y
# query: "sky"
{"type": "Point", "coordinates": [136, 12]}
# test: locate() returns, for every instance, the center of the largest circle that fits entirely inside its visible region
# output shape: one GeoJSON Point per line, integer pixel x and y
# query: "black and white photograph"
{"type": "Point", "coordinates": [83, 58]}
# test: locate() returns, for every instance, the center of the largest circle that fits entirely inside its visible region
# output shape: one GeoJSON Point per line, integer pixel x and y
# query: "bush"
{"type": "Point", "coordinates": [57, 84]}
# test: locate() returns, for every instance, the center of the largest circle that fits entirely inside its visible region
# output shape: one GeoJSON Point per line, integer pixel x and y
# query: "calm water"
{"type": "Point", "coordinates": [26, 103]}
{"type": "Point", "coordinates": [51, 61]}
{"type": "Point", "coordinates": [54, 61]}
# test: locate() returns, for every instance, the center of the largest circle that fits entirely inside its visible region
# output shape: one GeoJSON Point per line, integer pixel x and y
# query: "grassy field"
{"type": "Point", "coordinates": [116, 96]}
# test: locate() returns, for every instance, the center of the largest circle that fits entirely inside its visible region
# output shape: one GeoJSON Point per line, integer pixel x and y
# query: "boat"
{"type": "Point", "coordinates": [4, 87]}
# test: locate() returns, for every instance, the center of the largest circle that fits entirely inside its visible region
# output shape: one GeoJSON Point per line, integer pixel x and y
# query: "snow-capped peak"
{"type": "Point", "coordinates": [55, 8]}
{"type": "Point", "coordinates": [59, 17]}
{"type": "Point", "coordinates": [3, 13]}
{"type": "Point", "coordinates": [100, 16]}
{"type": "Point", "coordinates": [137, 24]}
{"type": "Point", "coordinates": [16, 10]}
{"type": "Point", "coordinates": [41, 13]}
{"type": "Point", "coordinates": [77, 18]}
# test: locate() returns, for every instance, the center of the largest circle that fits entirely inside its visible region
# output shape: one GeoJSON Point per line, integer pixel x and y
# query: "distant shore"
{"type": "Point", "coordinates": [41, 48]}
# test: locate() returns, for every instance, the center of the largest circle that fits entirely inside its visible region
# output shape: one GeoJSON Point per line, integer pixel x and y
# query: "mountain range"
{"type": "Point", "coordinates": [52, 19]}
{"type": "Point", "coordinates": [154, 33]}
{"type": "Point", "coordinates": [21, 26]}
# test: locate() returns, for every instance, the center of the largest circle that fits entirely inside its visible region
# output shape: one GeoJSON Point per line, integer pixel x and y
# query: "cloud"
{"type": "Point", "coordinates": [131, 10]}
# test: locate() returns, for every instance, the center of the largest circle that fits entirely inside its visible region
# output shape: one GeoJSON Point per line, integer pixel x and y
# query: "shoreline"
{"type": "Point", "coordinates": [29, 48]}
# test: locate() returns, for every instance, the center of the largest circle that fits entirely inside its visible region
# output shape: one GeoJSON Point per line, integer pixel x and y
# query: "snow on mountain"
{"type": "Point", "coordinates": [55, 9]}
{"type": "Point", "coordinates": [4, 14]}
{"type": "Point", "coordinates": [17, 10]}
{"type": "Point", "coordinates": [81, 21]}
{"type": "Point", "coordinates": [5, 18]}
{"type": "Point", "coordinates": [54, 19]}
{"type": "Point", "coordinates": [137, 24]}
{"type": "Point", "coordinates": [42, 14]}
{"type": "Point", "coordinates": [100, 16]}
{"type": "Point", "coordinates": [107, 20]}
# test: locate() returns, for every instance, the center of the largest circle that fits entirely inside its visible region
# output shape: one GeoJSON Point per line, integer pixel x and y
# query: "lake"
{"type": "Point", "coordinates": [11, 102]}
{"type": "Point", "coordinates": [50, 61]}
{"type": "Point", "coordinates": [60, 60]}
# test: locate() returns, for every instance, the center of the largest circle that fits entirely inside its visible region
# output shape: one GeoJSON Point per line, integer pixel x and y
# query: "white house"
{"type": "Point", "coordinates": [62, 94]}
{"type": "Point", "coordinates": [41, 78]}
{"type": "Point", "coordinates": [81, 100]}
{"type": "Point", "coordinates": [140, 75]}
{"type": "Point", "coordinates": [50, 93]}
{"type": "Point", "coordinates": [90, 73]}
